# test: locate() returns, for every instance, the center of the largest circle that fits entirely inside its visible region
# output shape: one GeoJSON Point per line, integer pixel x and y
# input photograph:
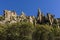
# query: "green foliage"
{"type": "Point", "coordinates": [42, 32]}
{"type": "Point", "coordinates": [27, 31]}
{"type": "Point", "coordinates": [1, 18]}
{"type": "Point", "coordinates": [16, 31]}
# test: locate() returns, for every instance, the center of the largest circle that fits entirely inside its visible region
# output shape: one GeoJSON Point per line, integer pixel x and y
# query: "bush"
{"type": "Point", "coordinates": [27, 31]}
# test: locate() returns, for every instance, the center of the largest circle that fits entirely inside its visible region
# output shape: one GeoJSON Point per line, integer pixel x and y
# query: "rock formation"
{"type": "Point", "coordinates": [12, 17]}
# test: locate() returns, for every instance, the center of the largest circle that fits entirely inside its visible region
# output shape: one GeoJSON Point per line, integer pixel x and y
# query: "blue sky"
{"type": "Point", "coordinates": [30, 7]}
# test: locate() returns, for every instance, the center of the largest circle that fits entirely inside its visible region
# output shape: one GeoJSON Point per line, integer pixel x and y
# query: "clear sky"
{"type": "Point", "coordinates": [30, 7]}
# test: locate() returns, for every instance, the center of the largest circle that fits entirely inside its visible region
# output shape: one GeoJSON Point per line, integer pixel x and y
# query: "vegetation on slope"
{"type": "Point", "coordinates": [27, 31]}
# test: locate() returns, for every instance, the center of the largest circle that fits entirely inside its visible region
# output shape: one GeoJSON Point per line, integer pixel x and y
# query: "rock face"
{"type": "Point", "coordinates": [40, 16]}
{"type": "Point", "coordinates": [58, 22]}
{"type": "Point", "coordinates": [50, 18]}
{"type": "Point", "coordinates": [22, 17]}
{"type": "Point", "coordinates": [7, 15]}
{"type": "Point", "coordinates": [31, 19]}
{"type": "Point", "coordinates": [12, 17]}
